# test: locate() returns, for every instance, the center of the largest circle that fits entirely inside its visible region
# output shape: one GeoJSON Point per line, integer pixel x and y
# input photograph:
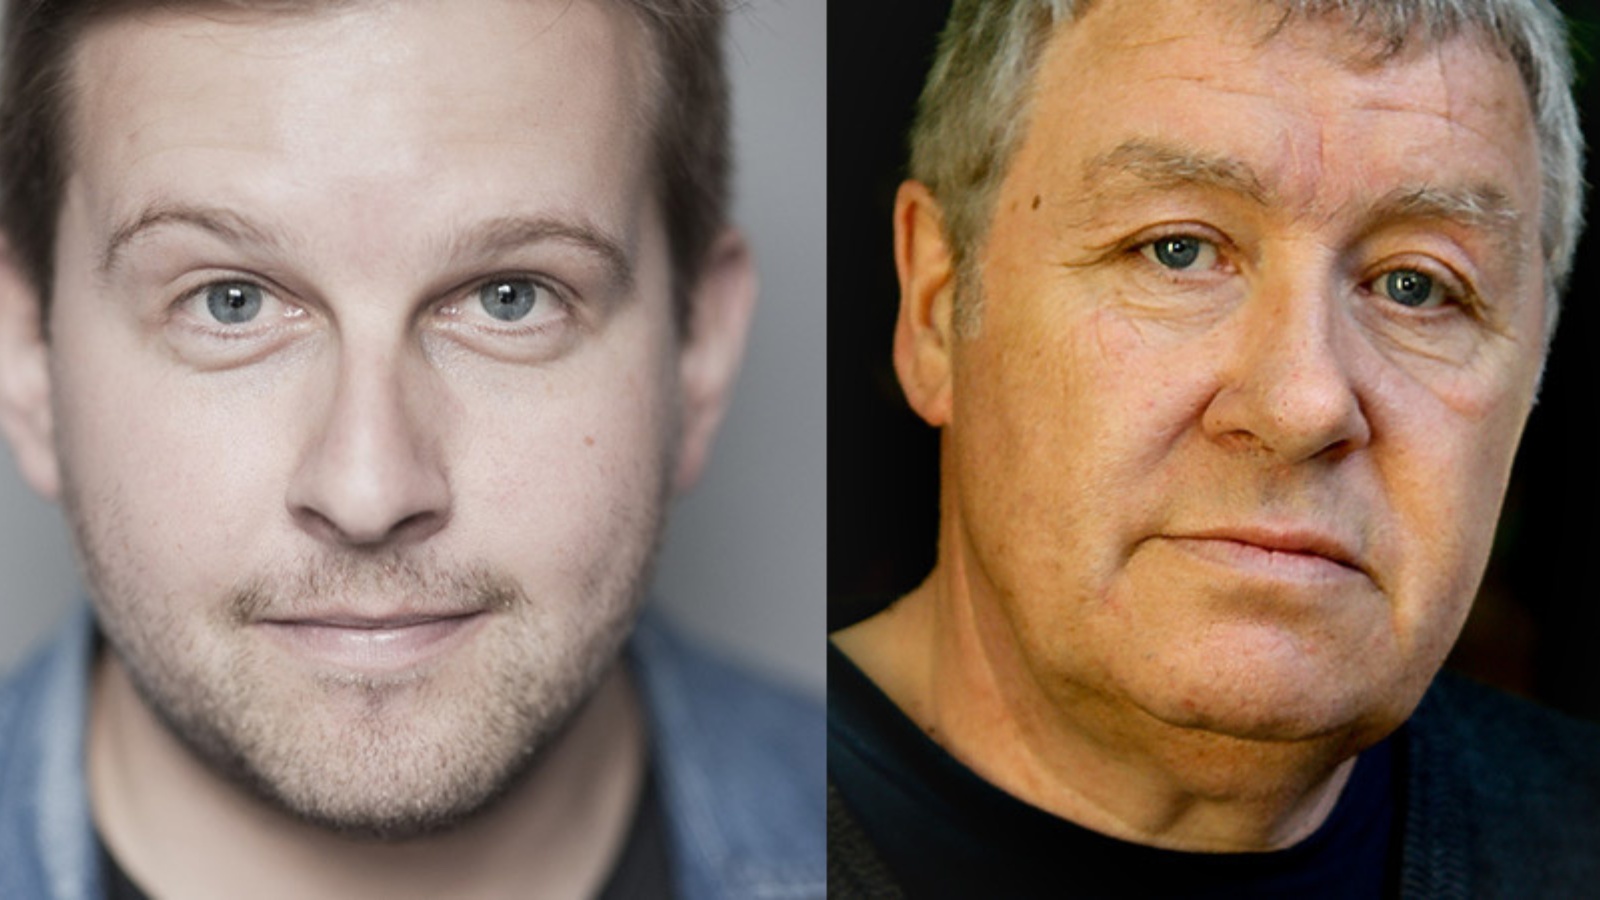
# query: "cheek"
{"type": "Point", "coordinates": [1443, 467]}
{"type": "Point", "coordinates": [1079, 391]}
{"type": "Point", "coordinates": [566, 471]}
{"type": "Point", "coordinates": [171, 477]}
{"type": "Point", "coordinates": [1068, 418]}
{"type": "Point", "coordinates": [559, 455]}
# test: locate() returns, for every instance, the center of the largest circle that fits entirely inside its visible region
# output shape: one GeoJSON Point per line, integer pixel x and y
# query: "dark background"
{"type": "Point", "coordinates": [1534, 627]}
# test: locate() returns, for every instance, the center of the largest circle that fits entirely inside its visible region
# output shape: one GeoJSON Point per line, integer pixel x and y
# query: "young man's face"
{"type": "Point", "coordinates": [364, 387]}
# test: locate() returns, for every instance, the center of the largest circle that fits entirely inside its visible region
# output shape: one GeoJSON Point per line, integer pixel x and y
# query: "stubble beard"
{"type": "Point", "coordinates": [378, 758]}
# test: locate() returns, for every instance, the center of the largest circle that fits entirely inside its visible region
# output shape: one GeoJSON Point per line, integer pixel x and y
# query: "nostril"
{"type": "Point", "coordinates": [417, 527]}
{"type": "Point", "coordinates": [349, 532]}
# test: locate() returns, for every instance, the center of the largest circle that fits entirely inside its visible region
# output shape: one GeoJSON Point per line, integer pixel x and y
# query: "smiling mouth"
{"type": "Point", "coordinates": [381, 644]}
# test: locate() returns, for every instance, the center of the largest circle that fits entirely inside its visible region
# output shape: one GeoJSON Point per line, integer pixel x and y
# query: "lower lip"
{"type": "Point", "coordinates": [384, 649]}
{"type": "Point", "coordinates": [1264, 562]}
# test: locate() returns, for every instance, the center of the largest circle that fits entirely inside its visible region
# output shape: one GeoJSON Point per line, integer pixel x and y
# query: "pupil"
{"type": "Point", "coordinates": [1177, 253]}
{"type": "Point", "coordinates": [1409, 288]}
{"type": "Point", "coordinates": [507, 301]}
{"type": "Point", "coordinates": [234, 304]}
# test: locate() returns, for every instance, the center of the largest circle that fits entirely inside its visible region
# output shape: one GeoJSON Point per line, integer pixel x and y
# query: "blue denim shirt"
{"type": "Point", "coordinates": [740, 764]}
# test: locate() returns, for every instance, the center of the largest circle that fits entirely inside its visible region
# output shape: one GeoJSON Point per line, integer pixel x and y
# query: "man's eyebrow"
{"type": "Point", "coordinates": [1167, 166]}
{"type": "Point", "coordinates": [223, 223]}
{"type": "Point", "coordinates": [1481, 207]}
{"type": "Point", "coordinates": [507, 233]}
{"type": "Point", "coordinates": [489, 238]}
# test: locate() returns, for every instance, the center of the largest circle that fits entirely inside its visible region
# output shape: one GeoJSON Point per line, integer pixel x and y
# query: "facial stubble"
{"type": "Point", "coordinates": [389, 758]}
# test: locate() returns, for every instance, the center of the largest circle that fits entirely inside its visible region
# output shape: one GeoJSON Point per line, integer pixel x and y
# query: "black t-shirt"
{"type": "Point", "coordinates": [642, 872]}
{"type": "Point", "coordinates": [941, 831]}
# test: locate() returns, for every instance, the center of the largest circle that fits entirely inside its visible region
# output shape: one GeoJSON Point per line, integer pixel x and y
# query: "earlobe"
{"type": "Point", "coordinates": [25, 411]}
{"type": "Point", "coordinates": [924, 333]}
{"type": "Point", "coordinates": [721, 304]}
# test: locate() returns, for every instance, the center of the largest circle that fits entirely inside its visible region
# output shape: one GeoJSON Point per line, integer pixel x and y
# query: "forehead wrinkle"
{"type": "Point", "coordinates": [1153, 42]}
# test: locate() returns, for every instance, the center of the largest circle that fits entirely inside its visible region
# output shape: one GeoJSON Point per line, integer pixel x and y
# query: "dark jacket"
{"type": "Point", "coordinates": [1502, 800]}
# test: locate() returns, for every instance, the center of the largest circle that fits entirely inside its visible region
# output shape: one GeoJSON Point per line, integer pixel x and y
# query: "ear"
{"type": "Point", "coordinates": [25, 413]}
{"type": "Point", "coordinates": [924, 333]}
{"type": "Point", "coordinates": [720, 304]}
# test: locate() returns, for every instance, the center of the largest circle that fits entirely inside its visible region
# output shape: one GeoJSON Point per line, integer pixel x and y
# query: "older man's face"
{"type": "Point", "coordinates": [1261, 324]}
{"type": "Point", "coordinates": [366, 390]}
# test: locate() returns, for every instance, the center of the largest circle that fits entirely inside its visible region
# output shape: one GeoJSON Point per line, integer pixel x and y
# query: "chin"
{"type": "Point", "coordinates": [1274, 690]}
{"type": "Point", "coordinates": [391, 761]}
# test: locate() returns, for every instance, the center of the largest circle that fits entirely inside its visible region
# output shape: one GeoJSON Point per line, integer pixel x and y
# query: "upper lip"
{"type": "Point", "coordinates": [1285, 539]}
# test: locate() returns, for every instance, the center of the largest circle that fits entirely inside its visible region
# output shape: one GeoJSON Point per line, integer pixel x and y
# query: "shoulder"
{"type": "Point", "coordinates": [46, 843]}
{"type": "Point", "coordinates": [1502, 792]}
{"type": "Point", "coordinates": [741, 761]}
{"type": "Point", "coordinates": [1511, 743]}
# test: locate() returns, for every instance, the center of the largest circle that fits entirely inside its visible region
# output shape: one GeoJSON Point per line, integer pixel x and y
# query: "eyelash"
{"type": "Point", "coordinates": [199, 320]}
{"type": "Point", "coordinates": [1457, 292]}
{"type": "Point", "coordinates": [469, 295]}
{"type": "Point", "coordinates": [1135, 248]}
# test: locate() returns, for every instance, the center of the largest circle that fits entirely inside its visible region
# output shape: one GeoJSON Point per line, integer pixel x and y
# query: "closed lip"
{"type": "Point", "coordinates": [366, 622]}
{"type": "Point", "coordinates": [1285, 539]}
{"type": "Point", "coordinates": [375, 644]}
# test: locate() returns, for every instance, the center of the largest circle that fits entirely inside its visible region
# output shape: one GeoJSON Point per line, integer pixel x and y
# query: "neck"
{"type": "Point", "coordinates": [949, 661]}
{"type": "Point", "coordinates": [181, 831]}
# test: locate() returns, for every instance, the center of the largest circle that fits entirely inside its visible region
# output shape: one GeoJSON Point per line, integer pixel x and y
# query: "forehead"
{"type": "Point", "coordinates": [389, 102]}
{"type": "Point", "coordinates": [1305, 106]}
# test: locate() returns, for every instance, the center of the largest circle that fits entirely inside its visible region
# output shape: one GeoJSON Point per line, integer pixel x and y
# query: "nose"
{"type": "Point", "coordinates": [372, 473]}
{"type": "Point", "coordinates": [1291, 384]}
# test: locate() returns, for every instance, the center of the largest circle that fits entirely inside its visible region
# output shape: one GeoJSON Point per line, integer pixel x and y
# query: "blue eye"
{"type": "Point", "coordinates": [510, 299]}
{"type": "Point", "coordinates": [1181, 252]}
{"type": "Point", "coordinates": [1408, 287]}
{"type": "Point", "coordinates": [234, 302]}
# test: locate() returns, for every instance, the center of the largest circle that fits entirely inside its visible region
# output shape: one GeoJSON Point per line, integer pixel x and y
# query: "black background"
{"type": "Point", "coordinates": [1534, 627]}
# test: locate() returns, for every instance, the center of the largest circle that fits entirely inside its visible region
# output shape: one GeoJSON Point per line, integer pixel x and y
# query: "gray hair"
{"type": "Point", "coordinates": [974, 108]}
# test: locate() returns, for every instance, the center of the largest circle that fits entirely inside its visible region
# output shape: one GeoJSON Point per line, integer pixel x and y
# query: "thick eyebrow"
{"type": "Point", "coordinates": [486, 239]}
{"type": "Point", "coordinates": [1481, 207]}
{"type": "Point", "coordinates": [1165, 166]}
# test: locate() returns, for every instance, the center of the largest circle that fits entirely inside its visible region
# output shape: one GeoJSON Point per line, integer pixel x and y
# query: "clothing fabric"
{"type": "Point", "coordinates": [643, 870]}
{"type": "Point", "coordinates": [1495, 798]}
{"type": "Point", "coordinates": [739, 762]}
{"type": "Point", "coordinates": [945, 832]}
{"type": "Point", "coordinates": [118, 885]}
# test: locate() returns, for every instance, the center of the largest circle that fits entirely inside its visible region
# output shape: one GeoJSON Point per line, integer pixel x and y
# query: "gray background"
{"type": "Point", "coordinates": [744, 566]}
